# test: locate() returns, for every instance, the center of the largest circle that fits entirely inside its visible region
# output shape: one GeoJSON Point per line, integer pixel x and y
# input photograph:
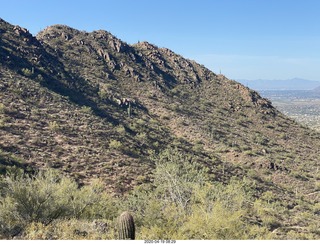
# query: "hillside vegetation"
{"type": "Point", "coordinates": [192, 154]}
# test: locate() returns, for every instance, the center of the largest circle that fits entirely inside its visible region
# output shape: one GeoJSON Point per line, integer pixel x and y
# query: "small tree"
{"type": "Point", "coordinates": [177, 176]}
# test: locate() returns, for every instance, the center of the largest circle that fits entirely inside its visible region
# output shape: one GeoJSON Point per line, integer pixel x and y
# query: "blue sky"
{"type": "Point", "coordinates": [245, 39]}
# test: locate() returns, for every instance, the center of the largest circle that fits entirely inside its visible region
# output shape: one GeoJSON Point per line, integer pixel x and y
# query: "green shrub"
{"type": "Point", "coordinates": [27, 72]}
{"type": "Point", "coordinates": [121, 129]}
{"type": "Point", "coordinates": [219, 223]}
{"type": "Point", "coordinates": [2, 108]}
{"type": "Point", "coordinates": [71, 229]}
{"type": "Point", "coordinates": [142, 137]}
{"type": "Point", "coordinates": [43, 198]}
{"type": "Point", "coordinates": [53, 126]}
{"type": "Point", "coordinates": [115, 144]}
{"type": "Point", "coordinates": [86, 109]}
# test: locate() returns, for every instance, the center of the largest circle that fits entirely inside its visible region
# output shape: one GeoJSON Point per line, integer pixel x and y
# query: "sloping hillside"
{"type": "Point", "coordinates": [94, 106]}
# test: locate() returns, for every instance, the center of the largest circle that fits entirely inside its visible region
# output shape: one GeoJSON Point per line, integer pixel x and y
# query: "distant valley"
{"type": "Point", "coordinates": [301, 105]}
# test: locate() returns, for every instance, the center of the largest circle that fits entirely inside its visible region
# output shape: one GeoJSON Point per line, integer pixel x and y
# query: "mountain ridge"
{"type": "Point", "coordinates": [168, 68]}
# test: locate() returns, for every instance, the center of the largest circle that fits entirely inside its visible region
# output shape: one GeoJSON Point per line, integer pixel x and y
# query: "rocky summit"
{"type": "Point", "coordinates": [93, 106]}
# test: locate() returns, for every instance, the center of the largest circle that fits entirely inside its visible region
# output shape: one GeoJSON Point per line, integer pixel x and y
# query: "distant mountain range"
{"type": "Point", "coordinates": [290, 84]}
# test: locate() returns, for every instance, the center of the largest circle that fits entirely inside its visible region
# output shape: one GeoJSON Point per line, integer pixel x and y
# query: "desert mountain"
{"type": "Point", "coordinates": [94, 106]}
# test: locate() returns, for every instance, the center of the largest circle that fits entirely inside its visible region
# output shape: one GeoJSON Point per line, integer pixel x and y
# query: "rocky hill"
{"type": "Point", "coordinates": [94, 106]}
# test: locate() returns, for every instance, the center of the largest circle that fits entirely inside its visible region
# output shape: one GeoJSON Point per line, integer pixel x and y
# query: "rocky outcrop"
{"type": "Point", "coordinates": [20, 31]}
{"type": "Point", "coordinates": [151, 52]}
{"type": "Point", "coordinates": [104, 54]}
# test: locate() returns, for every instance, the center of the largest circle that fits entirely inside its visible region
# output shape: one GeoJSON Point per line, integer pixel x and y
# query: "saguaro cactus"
{"type": "Point", "coordinates": [129, 110]}
{"type": "Point", "coordinates": [126, 228]}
